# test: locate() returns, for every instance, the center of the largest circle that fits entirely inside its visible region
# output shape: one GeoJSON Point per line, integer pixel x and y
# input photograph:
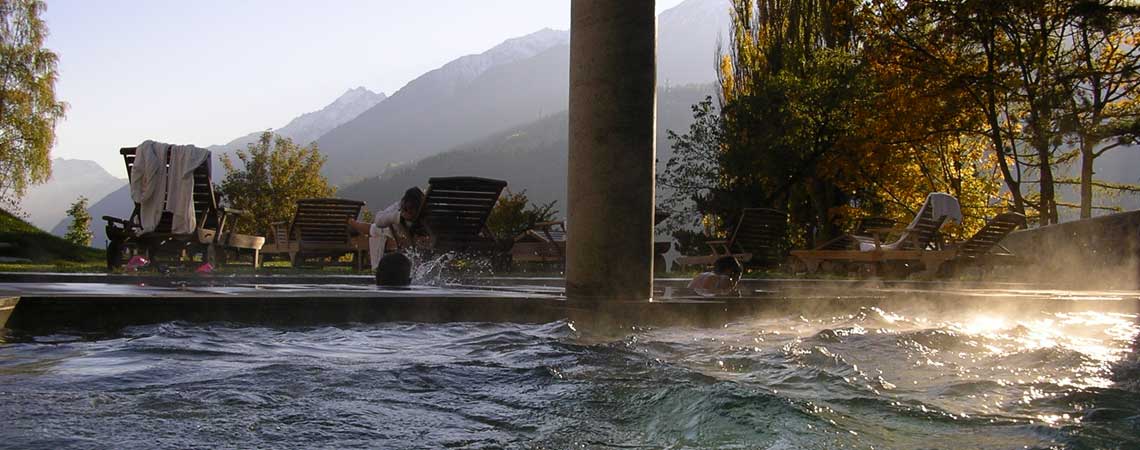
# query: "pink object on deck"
{"type": "Point", "coordinates": [136, 262]}
{"type": "Point", "coordinates": [205, 268]}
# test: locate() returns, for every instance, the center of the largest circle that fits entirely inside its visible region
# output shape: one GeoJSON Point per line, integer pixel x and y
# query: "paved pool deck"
{"type": "Point", "coordinates": [49, 303]}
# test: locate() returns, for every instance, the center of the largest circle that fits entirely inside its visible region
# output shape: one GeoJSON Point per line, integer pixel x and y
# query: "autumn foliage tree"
{"type": "Point", "coordinates": [29, 110]}
{"type": "Point", "coordinates": [274, 174]}
{"type": "Point", "coordinates": [1053, 82]}
{"type": "Point", "coordinates": [813, 121]}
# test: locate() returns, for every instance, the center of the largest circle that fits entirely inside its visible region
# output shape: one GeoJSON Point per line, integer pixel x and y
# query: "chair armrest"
{"type": "Point", "coordinates": [548, 224]}
{"type": "Point", "coordinates": [124, 222]}
{"type": "Point", "coordinates": [229, 211]}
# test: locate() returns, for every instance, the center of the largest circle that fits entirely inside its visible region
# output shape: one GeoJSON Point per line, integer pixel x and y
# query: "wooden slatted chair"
{"type": "Point", "coordinates": [319, 230]}
{"type": "Point", "coordinates": [917, 243]}
{"type": "Point", "coordinates": [755, 241]}
{"type": "Point", "coordinates": [208, 239]}
{"type": "Point", "coordinates": [455, 213]}
{"type": "Point", "coordinates": [544, 243]}
{"type": "Point", "coordinates": [989, 237]}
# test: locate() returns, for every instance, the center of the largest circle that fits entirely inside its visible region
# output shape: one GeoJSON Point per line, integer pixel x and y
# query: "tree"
{"type": "Point", "coordinates": [822, 118]}
{"type": "Point", "coordinates": [79, 232]}
{"type": "Point", "coordinates": [29, 110]}
{"type": "Point", "coordinates": [1105, 77]}
{"type": "Point", "coordinates": [512, 216]}
{"type": "Point", "coordinates": [274, 174]}
{"type": "Point", "coordinates": [1053, 80]}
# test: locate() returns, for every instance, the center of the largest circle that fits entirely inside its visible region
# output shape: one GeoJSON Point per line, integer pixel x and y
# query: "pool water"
{"type": "Point", "coordinates": [874, 378]}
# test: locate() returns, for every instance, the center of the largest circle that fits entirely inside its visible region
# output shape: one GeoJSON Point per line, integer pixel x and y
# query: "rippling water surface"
{"type": "Point", "coordinates": [881, 379]}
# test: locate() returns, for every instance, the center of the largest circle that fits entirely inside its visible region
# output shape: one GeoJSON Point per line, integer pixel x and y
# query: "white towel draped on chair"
{"type": "Point", "coordinates": [157, 189]}
{"type": "Point", "coordinates": [942, 207]}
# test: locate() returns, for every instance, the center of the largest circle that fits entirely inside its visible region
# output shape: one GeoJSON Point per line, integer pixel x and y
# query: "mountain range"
{"type": "Point", "coordinates": [307, 127]}
{"type": "Point", "coordinates": [529, 79]}
{"type": "Point", "coordinates": [474, 101]}
{"type": "Point", "coordinates": [530, 157]}
{"type": "Point", "coordinates": [46, 204]}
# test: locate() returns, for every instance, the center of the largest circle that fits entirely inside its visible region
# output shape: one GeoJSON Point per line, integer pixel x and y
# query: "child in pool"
{"type": "Point", "coordinates": [394, 270]}
{"type": "Point", "coordinates": [722, 280]}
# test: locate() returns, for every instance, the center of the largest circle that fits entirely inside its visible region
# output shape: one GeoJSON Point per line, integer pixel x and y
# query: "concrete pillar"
{"type": "Point", "coordinates": [613, 104]}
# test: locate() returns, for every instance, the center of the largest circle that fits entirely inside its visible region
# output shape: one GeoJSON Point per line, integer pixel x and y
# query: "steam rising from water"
{"type": "Point", "coordinates": [881, 378]}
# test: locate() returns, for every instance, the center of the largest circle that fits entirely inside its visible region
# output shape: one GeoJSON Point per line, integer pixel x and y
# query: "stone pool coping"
{"type": "Point", "coordinates": [62, 304]}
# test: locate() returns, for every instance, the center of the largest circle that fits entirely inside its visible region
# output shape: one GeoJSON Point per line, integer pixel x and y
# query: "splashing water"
{"type": "Point", "coordinates": [883, 379]}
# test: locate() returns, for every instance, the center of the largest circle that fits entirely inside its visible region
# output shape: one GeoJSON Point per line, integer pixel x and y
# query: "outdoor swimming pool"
{"type": "Point", "coordinates": [869, 378]}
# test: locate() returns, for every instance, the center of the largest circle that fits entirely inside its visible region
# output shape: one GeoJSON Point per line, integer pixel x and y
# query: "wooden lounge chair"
{"type": "Point", "coordinates": [990, 236]}
{"type": "Point", "coordinates": [979, 249]}
{"type": "Point", "coordinates": [455, 212]}
{"type": "Point", "coordinates": [917, 243]}
{"type": "Point", "coordinates": [544, 243]}
{"type": "Point", "coordinates": [755, 240]}
{"type": "Point", "coordinates": [209, 238]}
{"type": "Point", "coordinates": [319, 230]}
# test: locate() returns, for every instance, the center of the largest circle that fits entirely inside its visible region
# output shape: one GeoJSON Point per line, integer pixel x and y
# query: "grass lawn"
{"type": "Point", "coordinates": [19, 239]}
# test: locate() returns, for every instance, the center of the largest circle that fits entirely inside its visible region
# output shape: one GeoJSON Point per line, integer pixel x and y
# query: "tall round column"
{"type": "Point", "coordinates": [613, 104]}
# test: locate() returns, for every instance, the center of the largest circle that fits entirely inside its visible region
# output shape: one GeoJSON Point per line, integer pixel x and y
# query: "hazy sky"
{"type": "Point", "coordinates": [207, 71]}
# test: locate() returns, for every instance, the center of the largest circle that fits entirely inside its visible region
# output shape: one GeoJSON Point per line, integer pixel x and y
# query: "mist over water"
{"type": "Point", "coordinates": [886, 379]}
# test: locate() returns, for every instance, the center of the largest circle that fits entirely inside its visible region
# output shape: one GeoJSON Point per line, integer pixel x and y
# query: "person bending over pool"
{"type": "Point", "coordinates": [392, 227]}
{"type": "Point", "coordinates": [722, 280]}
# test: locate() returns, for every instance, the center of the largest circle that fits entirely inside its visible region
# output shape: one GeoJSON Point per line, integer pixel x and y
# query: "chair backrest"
{"type": "Point", "coordinates": [993, 232]}
{"type": "Point", "coordinates": [455, 210]}
{"type": "Point", "coordinates": [761, 232]}
{"type": "Point", "coordinates": [324, 221]}
{"type": "Point", "coordinates": [205, 199]}
{"type": "Point", "coordinates": [923, 230]}
{"type": "Point", "coordinates": [552, 231]}
{"type": "Point", "coordinates": [871, 223]}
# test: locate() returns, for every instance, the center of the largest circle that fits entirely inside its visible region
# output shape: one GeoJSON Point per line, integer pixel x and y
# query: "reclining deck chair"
{"type": "Point", "coordinates": [319, 229]}
{"type": "Point", "coordinates": [543, 243]}
{"type": "Point", "coordinates": [208, 238]}
{"type": "Point", "coordinates": [918, 242]}
{"type": "Point", "coordinates": [755, 240]}
{"type": "Point", "coordinates": [455, 213]}
{"type": "Point", "coordinates": [979, 248]}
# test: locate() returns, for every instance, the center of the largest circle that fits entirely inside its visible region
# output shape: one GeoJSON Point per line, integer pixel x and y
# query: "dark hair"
{"type": "Point", "coordinates": [727, 264]}
{"type": "Point", "coordinates": [394, 269]}
{"type": "Point", "coordinates": [413, 196]}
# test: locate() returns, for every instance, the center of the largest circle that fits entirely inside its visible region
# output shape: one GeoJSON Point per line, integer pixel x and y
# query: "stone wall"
{"type": "Point", "coordinates": [1097, 253]}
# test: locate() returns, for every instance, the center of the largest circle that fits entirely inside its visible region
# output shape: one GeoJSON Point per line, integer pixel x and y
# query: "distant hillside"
{"type": "Point", "coordinates": [46, 204]}
{"type": "Point", "coordinates": [531, 156]}
{"type": "Point", "coordinates": [470, 98]}
{"type": "Point", "coordinates": [23, 240]}
{"type": "Point", "coordinates": [307, 127]}
{"type": "Point", "coordinates": [687, 40]}
{"type": "Point", "coordinates": [514, 82]}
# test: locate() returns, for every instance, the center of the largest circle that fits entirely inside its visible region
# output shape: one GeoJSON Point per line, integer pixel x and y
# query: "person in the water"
{"type": "Point", "coordinates": [394, 270]}
{"type": "Point", "coordinates": [392, 227]}
{"type": "Point", "coordinates": [721, 281]}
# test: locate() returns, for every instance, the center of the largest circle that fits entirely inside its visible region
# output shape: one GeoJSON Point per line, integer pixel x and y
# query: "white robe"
{"type": "Point", "coordinates": [380, 232]}
{"type": "Point", "coordinates": [148, 182]}
{"type": "Point", "coordinates": [180, 186]}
